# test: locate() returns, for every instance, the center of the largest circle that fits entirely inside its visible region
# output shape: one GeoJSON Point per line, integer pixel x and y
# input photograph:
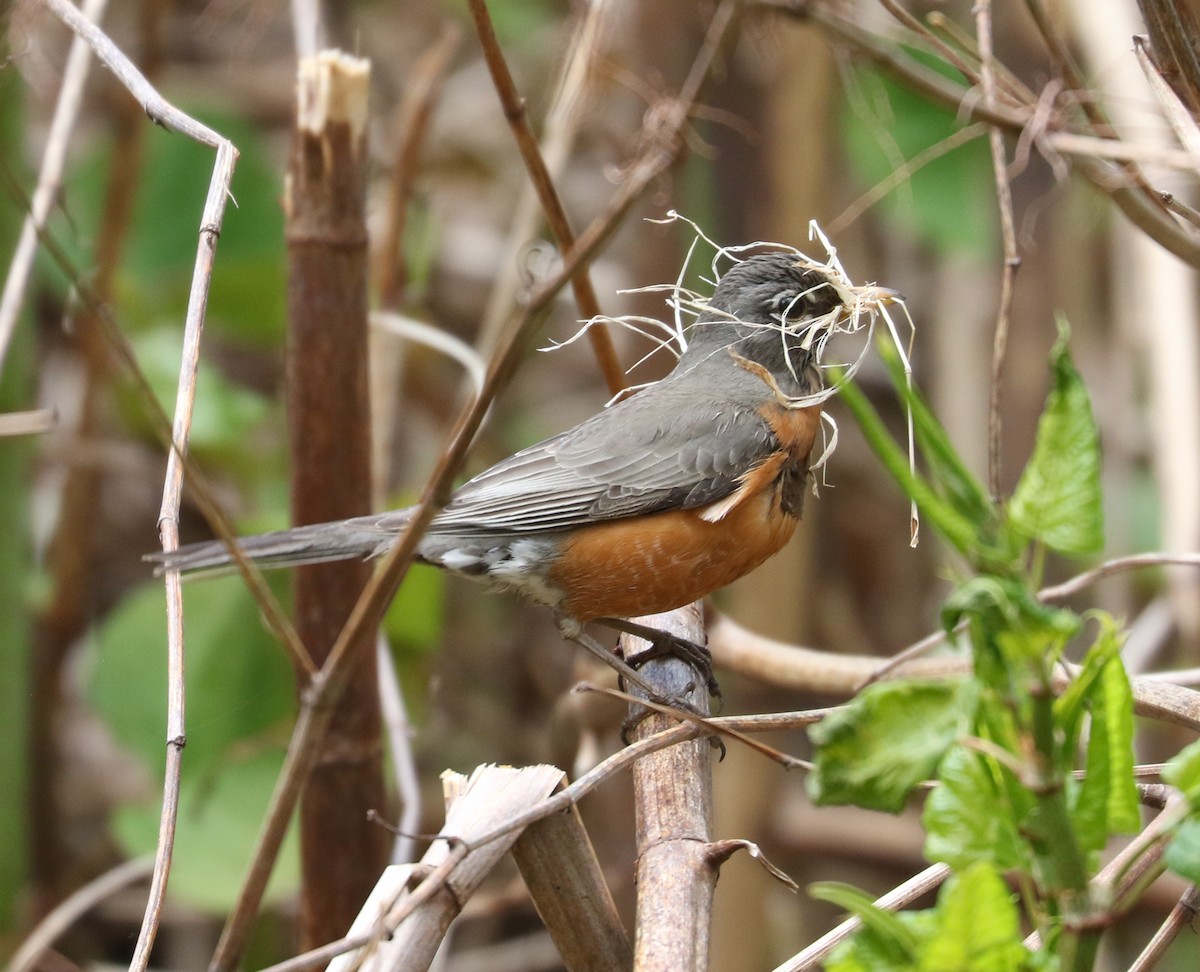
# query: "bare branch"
{"type": "Point", "coordinates": [987, 74]}
{"type": "Point", "coordinates": [53, 160]}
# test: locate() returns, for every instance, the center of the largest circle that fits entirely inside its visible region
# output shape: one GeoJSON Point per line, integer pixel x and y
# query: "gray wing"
{"type": "Point", "coordinates": [648, 453]}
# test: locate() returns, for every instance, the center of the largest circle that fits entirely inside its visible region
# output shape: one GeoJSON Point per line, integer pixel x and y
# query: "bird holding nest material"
{"type": "Point", "coordinates": [654, 502]}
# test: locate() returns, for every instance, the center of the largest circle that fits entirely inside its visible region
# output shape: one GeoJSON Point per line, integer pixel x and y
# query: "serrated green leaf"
{"type": "Point", "coordinates": [1183, 853]}
{"type": "Point", "coordinates": [968, 818]}
{"type": "Point", "coordinates": [874, 751]}
{"type": "Point", "coordinates": [1058, 499]}
{"type": "Point", "coordinates": [1011, 631]}
{"type": "Point", "coordinates": [978, 929]}
{"type": "Point", "coordinates": [1183, 773]}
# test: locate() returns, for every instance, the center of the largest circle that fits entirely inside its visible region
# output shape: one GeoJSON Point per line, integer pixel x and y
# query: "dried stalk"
{"type": "Point", "coordinates": [987, 74]}
{"type": "Point", "coordinates": [33, 422]}
{"type": "Point", "coordinates": [807, 669]}
{"type": "Point", "coordinates": [214, 208]}
{"type": "Point", "coordinates": [58, 921]}
{"type": "Point", "coordinates": [581, 58]}
{"type": "Point", "coordinates": [676, 874]}
{"type": "Point", "coordinates": [559, 866]}
{"type": "Point", "coordinates": [166, 115]}
{"type": "Point", "coordinates": [476, 805]}
{"type": "Point", "coordinates": [1182, 916]}
{"type": "Point", "coordinates": [341, 851]}
{"type": "Point", "coordinates": [903, 894]}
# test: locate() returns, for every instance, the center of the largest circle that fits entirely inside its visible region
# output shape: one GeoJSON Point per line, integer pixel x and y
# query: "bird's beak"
{"type": "Point", "coordinates": [884, 295]}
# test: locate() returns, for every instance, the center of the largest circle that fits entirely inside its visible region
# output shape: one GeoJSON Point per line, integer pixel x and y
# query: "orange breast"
{"type": "Point", "coordinates": [647, 564]}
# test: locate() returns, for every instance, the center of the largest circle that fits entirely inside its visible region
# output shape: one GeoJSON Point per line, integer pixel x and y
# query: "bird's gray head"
{"type": "Point", "coordinates": [768, 309]}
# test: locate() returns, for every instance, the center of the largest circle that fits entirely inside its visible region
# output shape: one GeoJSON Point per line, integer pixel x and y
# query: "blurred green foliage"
{"type": "Point", "coordinates": [240, 703]}
{"type": "Point", "coordinates": [247, 303]}
{"type": "Point", "coordinates": [949, 202]}
{"type": "Point", "coordinates": [16, 389]}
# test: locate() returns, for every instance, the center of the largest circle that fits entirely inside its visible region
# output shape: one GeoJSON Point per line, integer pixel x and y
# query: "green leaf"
{"type": "Point", "coordinates": [1012, 633]}
{"type": "Point", "coordinates": [1073, 704]}
{"type": "Point", "coordinates": [413, 621]}
{"type": "Point", "coordinates": [1107, 800]}
{"type": "Point", "coordinates": [887, 740]}
{"type": "Point", "coordinates": [1183, 853]}
{"type": "Point", "coordinates": [225, 417]}
{"type": "Point", "coordinates": [1183, 773]}
{"type": "Point", "coordinates": [247, 300]}
{"type": "Point", "coordinates": [952, 525]}
{"type": "Point", "coordinates": [968, 817]}
{"type": "Point", "coordinates": [1058, 499]}
{"type": "Point", "coordinates": [240, 701]}
{"type": "Point", "coordinates": [219, 818]}
{"type": "Point", "coordinates": [978, 928]}
{"type": "Point", "coordinates": [240, 686]}
{"type": "Point", "coordinates": [956, 482]}
{"type": "Point", "coordinates": [892, 936]}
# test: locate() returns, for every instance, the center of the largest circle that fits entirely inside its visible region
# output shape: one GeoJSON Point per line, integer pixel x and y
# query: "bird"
{"type": "Point", "coordinates": [652, 503]}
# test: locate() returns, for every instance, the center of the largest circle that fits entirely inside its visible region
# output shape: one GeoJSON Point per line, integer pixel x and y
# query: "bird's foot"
{"type": "Point", "coordinates": [664, 644]}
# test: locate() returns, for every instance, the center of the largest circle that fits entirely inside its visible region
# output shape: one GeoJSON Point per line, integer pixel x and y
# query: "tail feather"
{"type": "Point", "coordinates": [364, 536]}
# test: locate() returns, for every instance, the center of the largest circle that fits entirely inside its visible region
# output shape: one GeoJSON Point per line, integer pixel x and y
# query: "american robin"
{"type": "Point", "coordinates": [655, 501]}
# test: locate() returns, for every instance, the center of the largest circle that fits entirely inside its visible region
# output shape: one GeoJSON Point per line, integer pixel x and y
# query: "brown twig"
{"type": "Point", "coordinates": [561, 801]}
{"type": "Point", "coordinates": [948, 53]}
{"type": "Point", "coordinates": [58, 921]}
{"type": "Point", "coordinates": [672, 790]}
{"type": "Point", "coordinates": [539, 175]}
{"type": "Point", "coordinates": [900, 175]}
{"type": "Point", "coordinates": [987, 76]}
{"type": "Point", "coordinates": [808, 669]}
{"type": "Point", "coordinates": [164, 113]}
{"type": "Point", "coordinates": [66, 613]}
{"type": "Point", "coordinates": [1060, 592]}
{"type": "Point", "coordinates": [421, 94]}
{"type": "Point", "coordinates": [583, 57]}
{"type": "Point", "coordinates": [33, 422]}
{"type": "Point", "coordinates": [1142, 207]}
{"type": "Point", "coordinates": [1182, 916]}
{"type": "Point", "coordinates": [1173, 32]}
{"type": "Point", "coordinates": [566, 883]}
{"type": "Point", "coordinates": [1067, 66]}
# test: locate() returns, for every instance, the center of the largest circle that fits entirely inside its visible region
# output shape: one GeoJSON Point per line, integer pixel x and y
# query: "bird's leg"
{"type": "Point", "coordinates": [664, 643]}
{"type": "Point", "coordinates": [572, 630]}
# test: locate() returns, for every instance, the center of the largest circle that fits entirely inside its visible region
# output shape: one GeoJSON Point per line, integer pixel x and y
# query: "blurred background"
{"type": "Point", "coordinates": [793, 124]}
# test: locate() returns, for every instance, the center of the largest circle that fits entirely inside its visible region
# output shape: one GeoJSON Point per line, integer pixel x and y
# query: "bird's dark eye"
{"type": "Point", "coordinates": [782, 301]}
